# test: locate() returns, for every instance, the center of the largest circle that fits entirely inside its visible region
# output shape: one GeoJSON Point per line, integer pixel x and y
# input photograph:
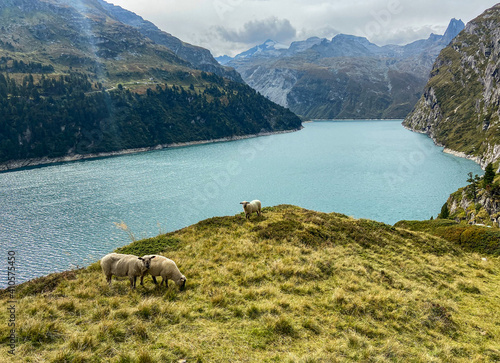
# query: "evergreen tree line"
{"type": "Point", "coordinates": [21, 67]}
{"type": "Point", "coordinates": [64, 115]}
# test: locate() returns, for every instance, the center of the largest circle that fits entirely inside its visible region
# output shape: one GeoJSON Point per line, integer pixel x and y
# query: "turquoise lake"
{"type": "Point", "coordinates": [62, 216]}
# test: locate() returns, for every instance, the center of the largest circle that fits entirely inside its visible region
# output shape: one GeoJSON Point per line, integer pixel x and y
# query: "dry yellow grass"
{"type": "Point", "coordinates": [291, 286]}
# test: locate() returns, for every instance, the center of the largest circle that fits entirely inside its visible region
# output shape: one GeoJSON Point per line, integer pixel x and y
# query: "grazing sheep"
{"type": "Point", "coordinates": [125, 265]}
{"type": "Point", "coordinates": [167, 269]}
{"type": "Point", "coordinates": [250, 207]}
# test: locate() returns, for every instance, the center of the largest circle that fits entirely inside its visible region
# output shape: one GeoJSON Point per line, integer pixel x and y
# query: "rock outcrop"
{"type": "Point", "coordinates": [485, 209]}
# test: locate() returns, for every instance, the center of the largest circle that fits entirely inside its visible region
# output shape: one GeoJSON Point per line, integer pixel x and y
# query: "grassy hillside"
{"type": "Point", "coordinates": [479, 239]}
{"type": "Point", "coordinates": [291, 286]}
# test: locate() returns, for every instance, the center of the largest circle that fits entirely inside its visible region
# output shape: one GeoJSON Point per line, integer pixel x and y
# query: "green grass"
{"type": "Point", "coordinates": [480, 239]}
{"type": "Point", "coordinates": [293, 285]}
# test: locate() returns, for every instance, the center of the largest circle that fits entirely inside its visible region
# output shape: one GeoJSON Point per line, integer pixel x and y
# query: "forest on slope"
{"type": "Point", "coordinates": [67, 114]}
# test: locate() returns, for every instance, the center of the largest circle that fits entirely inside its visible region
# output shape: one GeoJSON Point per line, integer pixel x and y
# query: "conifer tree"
{"type": "Point", "coordinates": [489, 175]}
{"type": "Point", "coordinates": [445, 212]}
{"type": "Point", "coordinates": [472, 188]}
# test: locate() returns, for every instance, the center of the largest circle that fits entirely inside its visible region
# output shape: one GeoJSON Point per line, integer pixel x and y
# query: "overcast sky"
{"type": "Point", "coordinates": [232, 26]}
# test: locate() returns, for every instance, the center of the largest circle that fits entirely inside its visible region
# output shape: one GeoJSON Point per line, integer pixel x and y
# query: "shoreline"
{"type": "Point", "coordinates": [353, 119]}
{"type": "Point", "coordinates": [447, 150]}
{"type": "Point", "coordinates": [461, 154]}
{"type": "Point", "coordinates": [14, 165]}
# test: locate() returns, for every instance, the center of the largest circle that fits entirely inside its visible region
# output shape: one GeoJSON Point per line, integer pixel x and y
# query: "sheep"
{"type": "Point", "coordinates": [250, 207]}
{"type": "Point", "coordinates": [167, 269]}
{"type": "Point", "coordinates": [125, 265]}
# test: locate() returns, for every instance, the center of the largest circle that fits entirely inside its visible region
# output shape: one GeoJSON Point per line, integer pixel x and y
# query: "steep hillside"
{"type": "Point", "coordinates": [292, 285]}
{"type": "Point", "coordinates": [460, 104]}
{"type": "Point", "coordinates": [74, 80]}
{"type": "Point", "coordinates": [347, 77]}
{"type": "Point", "coordinates": [198, 57]}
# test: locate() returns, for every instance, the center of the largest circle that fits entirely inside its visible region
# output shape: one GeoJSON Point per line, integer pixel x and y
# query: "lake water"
{"type": "Point", "coordinates": [62, 216]}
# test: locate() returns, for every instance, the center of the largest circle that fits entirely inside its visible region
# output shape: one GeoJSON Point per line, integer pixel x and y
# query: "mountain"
{"type": "Point", "coordinates": [345, 77]}
{"type": "Point", "coordinates": [291, 285]}
{"type": "Point", "coordinates": [459, 108]}
{"type": "Point", "coordinates": [75, 80]}
{"type": "Point", "coordinates": [223, 59]}
{"type": "Point", "coordinates": [198, 57]}
{"type": "Point", "coordinates": [269, 49]}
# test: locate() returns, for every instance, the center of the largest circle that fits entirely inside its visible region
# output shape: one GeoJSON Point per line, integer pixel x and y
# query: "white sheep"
{"type": "Point", "coordinates": [167, 269]}
{"type": "Point", "coordinates": [125, 265]}
{"type": "Point", "coordinates": [250, 207]}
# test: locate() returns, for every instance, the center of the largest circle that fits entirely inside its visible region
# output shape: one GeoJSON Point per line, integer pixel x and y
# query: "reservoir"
{"type": "Point", "coordinates": [64, 216]}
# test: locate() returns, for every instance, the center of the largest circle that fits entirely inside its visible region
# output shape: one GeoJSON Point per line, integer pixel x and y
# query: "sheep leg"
{"type": "Point", "coordinates": [154, 280]}
{"type": "Point", "coordinates": [132, 281]}
{"type": "Point", "coordinates": [108, 279]}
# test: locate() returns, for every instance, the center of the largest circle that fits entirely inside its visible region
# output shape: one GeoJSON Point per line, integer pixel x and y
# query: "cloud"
{"type": "Point", "coordinates": [257, 31]}
{"type": "Point", "coordinates": [407, 35]}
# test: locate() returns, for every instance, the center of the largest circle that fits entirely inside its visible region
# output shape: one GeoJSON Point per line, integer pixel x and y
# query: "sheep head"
{"type": "Point", "coordinates": [181, 282]}
{"type": "Point", "coordinates": [146, 262]}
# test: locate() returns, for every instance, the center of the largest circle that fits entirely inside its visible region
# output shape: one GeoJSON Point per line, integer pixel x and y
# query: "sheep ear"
{"type": "Point", "coordinates": [140, 258]}
{"type": "Point", "coordinates": [153, 257]}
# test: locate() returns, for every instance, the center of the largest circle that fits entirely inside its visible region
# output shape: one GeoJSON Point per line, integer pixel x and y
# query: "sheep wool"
{"type": "Point", "coordinates": [122, 265]}
{"type": "Point", "coordinates": [250, 207]}
{"type": "Point", "coordinates": [167, 269]}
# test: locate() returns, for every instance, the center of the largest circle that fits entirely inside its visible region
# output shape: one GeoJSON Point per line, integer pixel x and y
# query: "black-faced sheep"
{"type": "Point", "coordinates": [125, 265]}
{"type": "Point", "coordinates": [250, 207]}
{"type": "Point", "coordinates": [167, 269]}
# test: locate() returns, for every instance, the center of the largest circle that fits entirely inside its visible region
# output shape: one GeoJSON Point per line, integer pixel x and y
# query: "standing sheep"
{"type": "Point", "coordinates": [125, 265]}
{"type": "Point", "coordinates": [250, 207]}
{"type": "Point", "coordinates": [167, 269]}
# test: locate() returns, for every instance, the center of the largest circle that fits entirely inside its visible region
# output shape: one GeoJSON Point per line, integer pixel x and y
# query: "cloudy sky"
{"type": "Point", "coordinates": [232, 26]}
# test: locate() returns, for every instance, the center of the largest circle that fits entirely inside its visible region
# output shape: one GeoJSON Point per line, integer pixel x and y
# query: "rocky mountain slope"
{"type": "Point", "coordinates": [198, 57]}
{"type": "Point", "coordinates": [76, 80]}
{"type": "Point", "coordinates": [290, 285]}
{"type": "Point", "coordinates": [347, 77]}
{"type": "Point", "coordinates": [460, 104]}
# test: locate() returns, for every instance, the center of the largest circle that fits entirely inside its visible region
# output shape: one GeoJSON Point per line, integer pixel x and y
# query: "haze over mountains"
{"type": "Point", "coordinates": [346, 77]}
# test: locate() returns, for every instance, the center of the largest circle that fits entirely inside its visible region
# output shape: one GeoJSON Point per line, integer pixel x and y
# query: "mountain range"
{"type": "Point", "coordinates": [345, 77]}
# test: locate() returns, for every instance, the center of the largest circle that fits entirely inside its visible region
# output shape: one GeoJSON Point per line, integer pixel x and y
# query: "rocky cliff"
{"type": "Point", "coordinates": [459, 108]}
